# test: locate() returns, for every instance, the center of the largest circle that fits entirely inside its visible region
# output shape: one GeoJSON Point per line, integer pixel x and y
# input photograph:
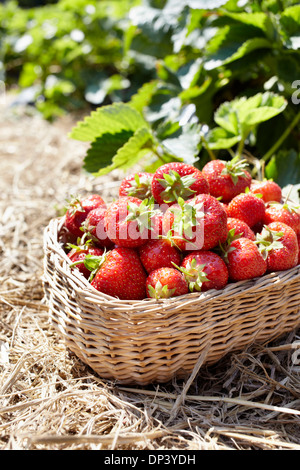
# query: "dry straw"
{"type": "Point", "coordinates": [150, 341]}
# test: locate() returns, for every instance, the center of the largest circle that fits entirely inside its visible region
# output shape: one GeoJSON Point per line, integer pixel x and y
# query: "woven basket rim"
{"type": "Point", "coordinates": [82, 285]}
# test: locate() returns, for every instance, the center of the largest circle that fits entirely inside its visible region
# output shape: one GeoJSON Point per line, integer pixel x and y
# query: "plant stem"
{"type": "Point", "coordinates": [283, 136]}
{"type": "Point", "coordinates": [209, 151]}
{"type": "Point", "coordinates": [240, 148]}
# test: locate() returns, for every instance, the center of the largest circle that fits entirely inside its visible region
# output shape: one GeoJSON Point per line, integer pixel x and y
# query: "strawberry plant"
{"type": "Point", "coordinates": [209, 79]}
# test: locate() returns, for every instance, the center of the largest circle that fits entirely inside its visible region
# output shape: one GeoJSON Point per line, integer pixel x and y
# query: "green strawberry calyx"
{"type": "Point", "coordinates": [93, 263]}
{"type": "Point", "coordinates": [258, 195]}
{"type": "Point", "coordinates": [142, 213]}
{"type": "Point", "coordinates": [160, 291]}
{"type": "Point", "coordinates": [235, 168]}
{"type": "Point", "coordinates": [176, 186]}
{"type": "Point", "coordinates": [140, 187]}
{"type": "Point", "coordinates": [194, 274]}
{"type": "Point", "coordinates": [175, 239]}
{"type": "Point", "coordinates": [74, 205]}
{"type": "Point", "coordinates": [186, 216]}
{"type": "Point", "coordinates": [268, 240]}
{"type": "Point", "coordinates": [288, 205]}
{"type": "Point", "coordinates": [87, 228]}
{"type": "Point", "coordinates": [226, 248]}
{"type": "Point", "coordinates": [82, 243]}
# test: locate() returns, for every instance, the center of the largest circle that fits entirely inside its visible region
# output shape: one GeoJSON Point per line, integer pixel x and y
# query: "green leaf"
{"type": "Point", "coordinates": [110, 119]}
{"type": "Point", "coordinates": [219, 138]}
{"type": "Point", "coordinates": [260, 20]}
{"type": "Point", "coordinates": [143, 96]}
{"type": "Point", "coordinates": [136, 148]}
{"type": "Point", "coordinates": [185, 143]}
{"type": "Point", "coordinates": [234, 52]}
{"type": "Point", "coordinates": [103, 149]}
{"type": "Point", "coordinates": [284, 167]}
{"type": "Point", "coordinates": [178, 5]}
{"type": "Point", "coordinates": [97, 90]}
{"type": "Point", "coordinates": [226, 117]}
{"type": "Point", "coordinates": [290, 23]}
{"type": "Point", "coordinates": [242, 115]}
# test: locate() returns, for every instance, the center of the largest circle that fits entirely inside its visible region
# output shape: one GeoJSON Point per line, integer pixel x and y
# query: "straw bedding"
{"type": "Point", "coordinates": [50, 399]}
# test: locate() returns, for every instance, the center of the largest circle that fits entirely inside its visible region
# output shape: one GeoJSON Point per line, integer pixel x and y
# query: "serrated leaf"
{"type": "Point", "coordinates": [103, 149]}
{"type": "Point", "coordinates": [137, 146]}
{"type": "Point", "coordinates": [185, 143]}
{"type": "Point", "coordinates": [219, 138]}
{"type": "Point", "coordinates": [240, 116]}
{"type": "Point", "coordinates": [233, 52]}
{"type": "Point", "coordinates": [227, 118]}
{"type": "Point", "coordinates": [178, 5]}
{"type": "Point", "coordinates": [284, 167]}
{"type": "Point", "coordinates": [111, 119]}
{"type": "Point", "coordinates": [260, 20]}
{"type": "Point", "coordinates": [143, 96]}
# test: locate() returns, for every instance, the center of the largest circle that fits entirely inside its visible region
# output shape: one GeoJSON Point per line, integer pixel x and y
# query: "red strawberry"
{"type": "Point", "coordinates": [240, 228]}
{"type": "Point", "coordinates": [278, 244]}
{"type": "Point", "coordinates": [121, 275]}
{"type": "Point", "coordinates": [128, 221]}
{"type": "Point", "coordinates": [269, 190]}
{"type": "Point", "coordinates": [298, 240]}
{"type": "Point", "coordinates": [199, 223]}
{"type": "Point", "coordinates": [227, 179]}
{"type": "Point", "coordinates": [159, 254]}
{"type": "Point", "coordinates": [79, 253]}
{"type": "Point", "coordinates": [155, 223]}
{"type": "Point", "coordinates": [174, 180]}
{"type": "Point", "coordinates": [248, 208]}
{"type": "Point", "coordinates": [94, 226]}
{"type": "Point", "coordinates": [244, 260]}
{"type": "Point", "coordinates": [166, 282]}
{"type": "Point", "coordinates": [287, 213]}
{"type": "Point", "coordinates": [225, 206]}
{"type": "Point", "coordinates": [78, 210]}
{"type": "Point", "coordinates": [137, 185]}
{"type": "Point", "coordinates": [204, 270]}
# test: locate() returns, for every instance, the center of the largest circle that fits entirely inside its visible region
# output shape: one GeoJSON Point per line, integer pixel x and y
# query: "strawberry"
{"type": "Point", "coordinates": [128, 221]}
{"type": "Point", "coordinates": [278, 244]}
{"type": "Point", "coordinates": [159, 254]}
{"type": "Point", "coordinates": [174, 180]}
{"type": "Point", "coordinates": [244, 260]}
{"type": "Point", "coordinates": [240, 228]}
{"type": "Point", "coordinates": [77, 211]}
{"type": "Point", "coordinates": [224, 205]}
{"type": "Point", "coordinates": [248, 208]}
{"type": "Point", "coordinates": [120, 274]}
{"type": "Point", "coordinates": [204, 270]}
{"type": "Point", "coordinates": [137, 185]}
{"type": "Point", "coordinates": [227, 179]}
{"type": "Point", "coordinates": [166, 282]}
{"type": "Point", "coordinates": [78, 254]}
{"type": "Point", "coordinates": [287, 213]}
{"type": "Point", "coordinates": [94, 226]}
{"type": "Point", "coordinates": [298, 240]}
{"type": "Point", "coordinates": [199, 223]}
{"type": "Point", "coordinates": [269, 190]}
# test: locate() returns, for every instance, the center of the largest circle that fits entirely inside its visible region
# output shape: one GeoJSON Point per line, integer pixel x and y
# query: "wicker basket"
{"type": "Point", "coordinates": [150, 341]}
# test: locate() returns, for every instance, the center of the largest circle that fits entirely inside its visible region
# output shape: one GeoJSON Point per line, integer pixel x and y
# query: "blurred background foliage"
{"type": "Point", "coordinates": [182, 58]}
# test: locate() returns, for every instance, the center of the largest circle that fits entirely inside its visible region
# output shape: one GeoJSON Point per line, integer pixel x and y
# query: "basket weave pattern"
{"type": "Point", "coordinates": [142, 342]}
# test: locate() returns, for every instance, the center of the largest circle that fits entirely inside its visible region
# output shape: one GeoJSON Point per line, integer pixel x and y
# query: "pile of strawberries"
{"type": "Point", "coordinates": [182, 230]}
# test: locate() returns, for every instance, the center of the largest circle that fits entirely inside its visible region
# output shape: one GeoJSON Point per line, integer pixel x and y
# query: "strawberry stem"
{"type": "Point", "coordinates": [281, 139]}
